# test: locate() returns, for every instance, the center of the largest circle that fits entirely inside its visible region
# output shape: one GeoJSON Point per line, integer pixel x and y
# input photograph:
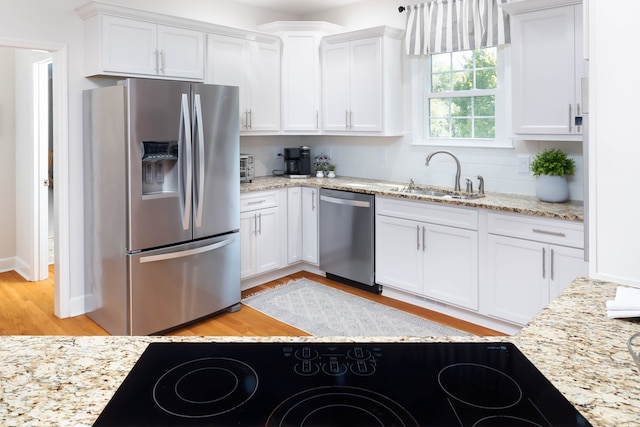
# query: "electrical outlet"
{"type": "Point", "coordinates": [524, 164]}
{"type": "Point", "coordinates": [382, 156]}
{"type": "Point", "coordinates": [277, 152]}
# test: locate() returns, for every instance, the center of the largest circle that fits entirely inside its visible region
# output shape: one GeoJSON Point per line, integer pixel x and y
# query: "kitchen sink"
{"type": "Point", "coordinates": [438, 194]}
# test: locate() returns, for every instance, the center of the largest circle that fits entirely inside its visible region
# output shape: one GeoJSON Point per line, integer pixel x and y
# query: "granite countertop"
{"type": "Point", "coordinates": [504, 202]}
{"type": "Point", "coordinates": [57, 380]}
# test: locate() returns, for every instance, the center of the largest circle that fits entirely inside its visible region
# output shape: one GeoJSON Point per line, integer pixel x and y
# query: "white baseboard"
{"type": "Point", "coordinates": [453, 311]}
{"type": "Point", "coordinates": [253, 281]}
{"type": "Point", "coordinates": [7, 264]}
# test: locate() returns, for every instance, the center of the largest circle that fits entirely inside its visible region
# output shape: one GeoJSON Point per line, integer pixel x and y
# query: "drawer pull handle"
{"type": "Point", "coordinates": [259, 202]}
{"type": "Point", "coordinates": [550, 233]}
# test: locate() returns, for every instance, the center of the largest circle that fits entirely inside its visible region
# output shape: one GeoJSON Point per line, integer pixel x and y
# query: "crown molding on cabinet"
{"type": "Point", "coordinates": [319, 26]}
{"type": "Point", "coordinates": [532, 5]}
{"type": "Point", "coordinates": [383, 30]}
{"type": "Point", "coordinates": [94, 8]}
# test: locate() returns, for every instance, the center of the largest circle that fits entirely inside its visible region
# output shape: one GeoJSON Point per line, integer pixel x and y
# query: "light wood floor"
{"type": "Point", "coordinates": [26, 308]}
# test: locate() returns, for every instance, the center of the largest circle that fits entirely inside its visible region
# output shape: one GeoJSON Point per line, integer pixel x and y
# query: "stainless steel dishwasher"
{"type": "Point", "coordinates": [346, 238]}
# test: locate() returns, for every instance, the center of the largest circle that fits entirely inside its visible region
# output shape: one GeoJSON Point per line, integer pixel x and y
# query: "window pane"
{"type": "Point", "coordinates": [484, 106]}
{"type": "Point", "coordinates": [439, 107]}
{"type": "Point", "coordinates": [486, 79]}
{"type": "Point", "coordinates": [439, 128]}
{"type": "Point", "coordinates": [461, 128]}
{"type": "Point", "coordinates": [463, 80]}
{"type": "Point", "coordinates": [486, 57]}
{"type": "Point", "coordinates": [461, 106]}
{"type": "Point", "coordinates": [485, 128]}
{"type": "Point", "coordinates": [462, 60]}
{"type": "Point", "coordinates": [441, 62]}
{"type": "Point", "coordinates": [440, 82]}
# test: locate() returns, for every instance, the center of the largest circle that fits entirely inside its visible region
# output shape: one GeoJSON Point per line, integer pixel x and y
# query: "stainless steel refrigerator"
{"type": "Point", "coordinates": [162, 197]}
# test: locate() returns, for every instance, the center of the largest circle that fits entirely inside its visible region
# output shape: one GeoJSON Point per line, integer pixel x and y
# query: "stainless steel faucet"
{"type": "Point", "coordinates": [456, 186]}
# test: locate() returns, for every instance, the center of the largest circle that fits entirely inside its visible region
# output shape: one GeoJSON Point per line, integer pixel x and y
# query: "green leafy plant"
{"type": "Point", "coordinates": [332, 167]}
{"type": "Point", "coordinates": [319, 168]}
{"type": "Point", "coordinates": [552, 162]}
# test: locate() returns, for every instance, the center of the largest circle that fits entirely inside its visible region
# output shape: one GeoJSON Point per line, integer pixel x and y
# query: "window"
{"type": "Point", "coordinates": [463, 100]}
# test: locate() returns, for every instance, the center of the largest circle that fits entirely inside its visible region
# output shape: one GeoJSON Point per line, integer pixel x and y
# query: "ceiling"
{"type": "Point", "coordinates": [298, 7]}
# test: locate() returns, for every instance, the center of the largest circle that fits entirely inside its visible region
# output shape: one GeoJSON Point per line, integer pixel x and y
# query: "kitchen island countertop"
{"type": "Point", "coordinates": [504, 202]}
{"type": "Point", "coordinates": [58, 380]}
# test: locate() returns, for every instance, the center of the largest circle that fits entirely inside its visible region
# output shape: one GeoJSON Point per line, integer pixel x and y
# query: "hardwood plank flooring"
{"type": "Point", "coordinates": [26, 308]}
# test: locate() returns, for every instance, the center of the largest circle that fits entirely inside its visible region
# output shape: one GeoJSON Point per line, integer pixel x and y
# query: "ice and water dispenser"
{"type": "Point", "coordinates": [159, 168]}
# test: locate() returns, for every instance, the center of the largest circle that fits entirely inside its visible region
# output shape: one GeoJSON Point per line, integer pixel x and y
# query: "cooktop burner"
{"type": "Point", "coordinates": [337, 384]}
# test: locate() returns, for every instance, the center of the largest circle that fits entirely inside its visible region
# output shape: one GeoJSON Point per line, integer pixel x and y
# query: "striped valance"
{"type": "Point", "coordinates": [453, 25]}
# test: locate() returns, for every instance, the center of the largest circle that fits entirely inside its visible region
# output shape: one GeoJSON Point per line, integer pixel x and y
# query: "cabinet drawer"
{"type": "Point", "coordinates": [260, 200]}
{"type": "Point", "coordinates": [435, 213]}
{"type": "Point", "coordinates": [565, 233]}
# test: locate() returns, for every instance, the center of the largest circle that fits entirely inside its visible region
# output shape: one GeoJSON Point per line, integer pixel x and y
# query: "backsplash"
{"type": "Point", "coordinates": [396, 159]}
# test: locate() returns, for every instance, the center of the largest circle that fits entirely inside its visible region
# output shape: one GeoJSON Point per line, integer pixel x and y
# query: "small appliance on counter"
{"type": "Point", "coordinates": [337, 384]}
{"type": "Point", "coordinates": [297, 162]}
{"type": "Point", "coordinates": [247, 168]}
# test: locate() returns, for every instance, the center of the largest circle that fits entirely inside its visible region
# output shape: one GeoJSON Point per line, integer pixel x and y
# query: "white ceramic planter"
{"type": "Point", "coordinates": [319, 174]}
{"type": "Point", "coordinates": [552, 188]}
{"type": "Point", "coordinates": [331, 174]}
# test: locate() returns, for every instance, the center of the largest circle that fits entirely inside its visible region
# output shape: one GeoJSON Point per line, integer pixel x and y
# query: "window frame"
{"type": "Point", "coordinates": [421, 68]}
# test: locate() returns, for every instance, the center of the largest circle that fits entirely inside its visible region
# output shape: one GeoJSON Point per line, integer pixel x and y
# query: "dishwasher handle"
{"type": "Point", "coordinates": [347, 202]}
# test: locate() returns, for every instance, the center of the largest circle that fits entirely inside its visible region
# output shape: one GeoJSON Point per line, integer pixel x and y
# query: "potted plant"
{"type": "Point", "coordinates": [319, 171]}
{"type": "Point", "coordinates": [551, 168]}
{"type": "Point", "coordinates": [332, 169]}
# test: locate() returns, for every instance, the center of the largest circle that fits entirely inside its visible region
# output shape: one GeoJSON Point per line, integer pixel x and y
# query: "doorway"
{"type": "Point", "coordinates": [55, 136]}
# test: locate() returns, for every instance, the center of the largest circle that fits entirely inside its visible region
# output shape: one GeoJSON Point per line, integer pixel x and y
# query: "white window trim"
{"type": "Point", "coordinates": [421, 66]}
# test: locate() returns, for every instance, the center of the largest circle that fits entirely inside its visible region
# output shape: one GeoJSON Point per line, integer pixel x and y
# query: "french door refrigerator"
{"type": "Point", "coordinates": [162, 197]}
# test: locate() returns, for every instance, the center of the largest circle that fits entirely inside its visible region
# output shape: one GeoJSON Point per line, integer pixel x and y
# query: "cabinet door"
{"type": "Point", "coordinates": [310, 225]}
{"type": "Point", "coordinates": [544, 79]}
{"type": "Point", "coordinates": [226, 65]}
{"type": "Point", "coordinates": [517, 282]}
{"type": "Point", "coordinates": [267, 240]}
{"type": "Point", "coordinates": [335, 86]}
{"type": "Point", "coordinates": [294, 225]}
{"type": "Point", "coordinates": [129, 46]}
{"type": "Point", "coordinates": [565, 265]}
{"type": "Point", "coordinates": [366, 85]}
{"type": "Point", "coordinates": [264, 83]}
{"type": "Point", "coordinates": [301, 81]}
{"type": "Point", "coordinates": [248, 226]}
{"type": "Point", "coordinates": [451, 265]}
{"type": "Point", "coordinates": [399, 253]}
{"type": "Point", "coordinates": [180, 53]}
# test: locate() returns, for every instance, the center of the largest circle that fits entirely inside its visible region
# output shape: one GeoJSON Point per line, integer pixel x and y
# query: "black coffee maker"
{"type": "Point", "coordinates": [297, 162]}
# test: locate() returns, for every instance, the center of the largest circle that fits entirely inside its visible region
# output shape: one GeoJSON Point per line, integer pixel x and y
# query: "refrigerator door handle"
{"type": "Point", "coordinates": [187, 177]}
{"type": "Point", "coordinates": [187, 253]}
{"type": "Point", "coordinates": [199, 130]}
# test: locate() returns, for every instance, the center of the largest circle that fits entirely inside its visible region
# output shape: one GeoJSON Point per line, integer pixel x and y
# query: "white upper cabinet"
{"type": "Point", "coordinates": [361, 82]}
{"type": "Point", "coordinates": [127, 47]}
{"type": "Point", "coordinates": [547, 66]}
{"type": "Point", "coordinates": [254, 66]}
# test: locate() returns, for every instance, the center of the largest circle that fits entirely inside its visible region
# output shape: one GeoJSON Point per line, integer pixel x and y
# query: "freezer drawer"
{"type": "Point", "coordinates": [173, 286]}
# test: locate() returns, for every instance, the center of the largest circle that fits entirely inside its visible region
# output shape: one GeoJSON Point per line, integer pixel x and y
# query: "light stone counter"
{"type": "Point", "coordinates": [49, 381]}
{"type": "Point", "coordinates": [510, 203]}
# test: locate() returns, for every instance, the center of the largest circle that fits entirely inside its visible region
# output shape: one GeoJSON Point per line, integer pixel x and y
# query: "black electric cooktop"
{"type": "Point", "coordinates": [337, 384]}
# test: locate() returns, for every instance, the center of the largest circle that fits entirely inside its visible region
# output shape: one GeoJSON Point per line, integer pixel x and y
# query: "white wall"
{"type": "Point", "coordinates": [7, 160]}
{"type": "Point", "coordinates": [614, 143]}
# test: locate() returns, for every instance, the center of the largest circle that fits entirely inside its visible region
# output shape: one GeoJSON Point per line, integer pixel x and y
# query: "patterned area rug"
{"type": "Point", "coordinates": [324, 311]}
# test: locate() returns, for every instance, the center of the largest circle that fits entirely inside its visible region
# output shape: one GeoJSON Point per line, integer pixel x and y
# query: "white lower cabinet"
{"type": "Point", "coordinates": [260, 231]}
{"type": "Point", "coordinates": [310, 225]}
{"type": "Point", "coordinates": [302, 225]}
{"type": "Point", "coordinates": [530, 261]}
{"type": "Point", "coordinates": [428, 250]}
